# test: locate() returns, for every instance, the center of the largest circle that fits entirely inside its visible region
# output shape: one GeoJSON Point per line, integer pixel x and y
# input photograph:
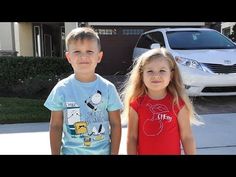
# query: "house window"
{"type": "Point", "coordinates": [47, 45]}
{"type": "Point", "coordinates": [37, 41]}
{"type": "Point", "coordinates": [63, 48]}
{"type": "Point", "coordinates": [106, 31]}
{"type": "Point", "coordinates": [132, 32]}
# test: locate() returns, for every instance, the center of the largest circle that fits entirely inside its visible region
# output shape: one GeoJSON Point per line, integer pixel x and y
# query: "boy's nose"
{"type": "Point", "coordinates": [83, 55]}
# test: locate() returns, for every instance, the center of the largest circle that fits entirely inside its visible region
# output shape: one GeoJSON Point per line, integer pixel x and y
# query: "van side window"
{"type": "Point", "coordinates": [147, 40]}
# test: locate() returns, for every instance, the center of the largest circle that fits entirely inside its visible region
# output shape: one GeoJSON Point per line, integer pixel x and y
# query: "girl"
{"type": "Point", "coordinates": [158, 109]}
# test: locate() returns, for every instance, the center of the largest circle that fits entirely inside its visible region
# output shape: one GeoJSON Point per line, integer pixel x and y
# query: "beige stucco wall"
{"type": "Point", "coordinates": [6, 38]}
{"type": "Point", "coordinates": [69, 26]}
{"type": "Point", "coordinates": [24, 38]}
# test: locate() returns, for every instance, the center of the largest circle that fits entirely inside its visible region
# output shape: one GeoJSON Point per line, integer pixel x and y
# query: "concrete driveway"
{"type": "Point", "coordinates": [216, 137]}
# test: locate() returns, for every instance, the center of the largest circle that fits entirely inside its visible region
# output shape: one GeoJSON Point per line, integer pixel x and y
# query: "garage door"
{"type": "Point", "coordinates": [117, 45]}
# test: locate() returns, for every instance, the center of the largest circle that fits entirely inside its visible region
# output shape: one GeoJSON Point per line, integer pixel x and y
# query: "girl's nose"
{"type": "Point", "coordinates": [156, 74]}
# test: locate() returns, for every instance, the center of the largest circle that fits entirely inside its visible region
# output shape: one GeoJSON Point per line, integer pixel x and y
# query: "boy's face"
{"type": "Point", "coordinates": [84, 55]}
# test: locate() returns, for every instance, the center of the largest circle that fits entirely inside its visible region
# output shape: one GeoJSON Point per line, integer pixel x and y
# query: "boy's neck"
{"type": "Point", "coordinates": [86, 78]}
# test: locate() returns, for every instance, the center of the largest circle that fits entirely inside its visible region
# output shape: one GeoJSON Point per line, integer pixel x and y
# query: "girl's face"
{"type": "Point", "coordinates": [157, 75]}
{"type": "Point", "coordinates": [84, 55]}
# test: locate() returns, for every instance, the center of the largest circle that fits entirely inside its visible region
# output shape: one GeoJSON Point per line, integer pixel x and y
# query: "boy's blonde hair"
{"type": "Point", "coordinates": [82, 33]}
{"type": "Point", "coordinates": [134, 86]}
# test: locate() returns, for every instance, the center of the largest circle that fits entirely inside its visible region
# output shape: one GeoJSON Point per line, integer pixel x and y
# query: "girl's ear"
{"type": "Point", "coordinates": [100, 55]}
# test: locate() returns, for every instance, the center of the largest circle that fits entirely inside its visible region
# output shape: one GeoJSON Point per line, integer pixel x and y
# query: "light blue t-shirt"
{"type": "Point", "coordinates": [85, 106]}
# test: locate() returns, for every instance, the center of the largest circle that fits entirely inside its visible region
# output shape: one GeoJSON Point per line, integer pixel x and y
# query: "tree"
{"type": "Point", "coordinates": [232, 36]}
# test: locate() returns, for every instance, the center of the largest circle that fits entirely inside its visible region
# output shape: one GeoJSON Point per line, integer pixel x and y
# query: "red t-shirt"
{"type": "Point", "coordinates": [158, 129]}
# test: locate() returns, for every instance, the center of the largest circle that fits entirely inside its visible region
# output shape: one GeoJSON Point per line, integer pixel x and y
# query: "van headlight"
{"type": "Point", "coordinates": [188, 62]}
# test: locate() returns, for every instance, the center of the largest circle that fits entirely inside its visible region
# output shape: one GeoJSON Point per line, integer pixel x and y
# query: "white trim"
{"type": "Point", "coordinates": [147, 23]}
{"type": "Point", "coordinates": [227, 25]}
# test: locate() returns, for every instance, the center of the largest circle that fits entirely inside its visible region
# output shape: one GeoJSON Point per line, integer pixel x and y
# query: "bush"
{"type": "Point", "coordinates": [29, 77]}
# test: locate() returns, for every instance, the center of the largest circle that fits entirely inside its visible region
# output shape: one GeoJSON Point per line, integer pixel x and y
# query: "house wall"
{"type": "Point", "coordinates": [6, 42]}
{"type": "Point", "coordinates": [69, 26]}
{"type": "Point", "coordinates": [227, 25]}
{"type": "Point", "coordinates": [24, 38]}
{"type": "Point", "coordinates": [119, 38]}
{"type": "Point", "coordinates": [147, 23]}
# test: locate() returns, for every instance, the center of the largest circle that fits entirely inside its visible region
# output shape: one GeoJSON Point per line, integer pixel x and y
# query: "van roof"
{"type": "Point", "coordinates": [179, 29]}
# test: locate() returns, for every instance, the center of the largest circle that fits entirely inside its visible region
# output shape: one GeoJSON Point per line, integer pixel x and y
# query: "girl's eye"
{"type": "Point", "coordinates": [162, 71]}
{"type": "Point", "coordinates": [150, 71]}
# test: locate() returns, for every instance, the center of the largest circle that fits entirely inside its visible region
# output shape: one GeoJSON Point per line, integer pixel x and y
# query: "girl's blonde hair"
{"type": "Point", "coordinates": [134, 86]}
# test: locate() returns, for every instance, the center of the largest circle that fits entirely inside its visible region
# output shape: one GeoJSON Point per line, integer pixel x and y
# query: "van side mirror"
{"type": "Point", "coordinates": [155, 45]}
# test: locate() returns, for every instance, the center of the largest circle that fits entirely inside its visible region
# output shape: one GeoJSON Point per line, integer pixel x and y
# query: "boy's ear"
{"type": "Point", "coordinates": [68, 56]}
{"type": "Point", "coordinates": [100, 55]}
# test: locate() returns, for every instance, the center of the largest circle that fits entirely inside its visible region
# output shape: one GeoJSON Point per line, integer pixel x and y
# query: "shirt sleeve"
{"type": "Point", "coordinates": [134, 104]}
{"type": "Point", "coordinates": [55, 101]}
{"type": "Point", "coordinates": [114, 101]}
{"type": "Point", "coordinates": [181, 105]}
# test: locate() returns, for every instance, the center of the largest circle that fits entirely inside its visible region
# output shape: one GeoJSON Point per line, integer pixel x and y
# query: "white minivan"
{"type": "Point", "coordinates": [206, 58]}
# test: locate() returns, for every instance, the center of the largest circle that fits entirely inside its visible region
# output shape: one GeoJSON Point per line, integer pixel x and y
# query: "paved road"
{"type": "Point", "coordinates": [215, 105]}
{"type": "Point", "coordinates": [216, 137]}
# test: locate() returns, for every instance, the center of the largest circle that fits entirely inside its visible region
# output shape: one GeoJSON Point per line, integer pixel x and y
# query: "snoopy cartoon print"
{"type": "Point", "coordinates": [99, 133]}
{"type": "Point", "coordinates": [73, 116]}
{"type": "Point", "coordinates": [93, 101]}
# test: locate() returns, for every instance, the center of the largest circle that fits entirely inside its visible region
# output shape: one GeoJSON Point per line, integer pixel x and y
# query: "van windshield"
{"type": "Point", "coordinates": [190, 40]}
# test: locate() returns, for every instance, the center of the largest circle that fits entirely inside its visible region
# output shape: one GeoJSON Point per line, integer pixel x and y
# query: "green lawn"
{"type": "Point", "coordinates": [17, 110]}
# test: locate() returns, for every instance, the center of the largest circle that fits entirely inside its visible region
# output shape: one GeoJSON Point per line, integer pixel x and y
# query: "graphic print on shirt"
{"type": "Point", "coordinates": [96, 134]}
{"type": "Point", "coordinates": [73, 117]}
{"type": "Point", "coordinates": [93, 101]}
{"type": "Point", "coordinates": [87, 128]}
{"type": "Point", "coordinates": [95, 110]}
{"type": "Point", "coordinates": [95, 115]}
{"type": "Point", "coordinates": [154, 125]}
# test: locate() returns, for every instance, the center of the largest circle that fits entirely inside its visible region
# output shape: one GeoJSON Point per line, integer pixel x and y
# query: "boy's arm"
{"type": "Point", "coordinates": [115, 122]}
{"type": "Point", "coordinates": [186, 134]}
{"type": "Point", "coordinates": [56, 126]}
{"type": "Point", "coordinates": [132, 134]}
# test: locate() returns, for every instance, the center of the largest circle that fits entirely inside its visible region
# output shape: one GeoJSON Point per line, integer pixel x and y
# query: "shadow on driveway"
{"type": "Point", "coordinates": [23, 128]}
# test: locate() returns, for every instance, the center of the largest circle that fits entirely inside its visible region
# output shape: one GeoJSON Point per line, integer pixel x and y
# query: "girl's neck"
{"type": "Point", "coordinates": [157, 95]}
{"type": "Point", "coordinates": [86, 78]}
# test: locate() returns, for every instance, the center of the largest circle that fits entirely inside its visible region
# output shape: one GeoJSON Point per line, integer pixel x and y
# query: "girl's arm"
{"type": "Point", "coordinates": [186, 134]}
{"type": "Point", "coordinates": [132, 134]}
{"type": "Point", "coordinates": [56, 126]}
{"type": "Point", "coordinates": [115, 122]}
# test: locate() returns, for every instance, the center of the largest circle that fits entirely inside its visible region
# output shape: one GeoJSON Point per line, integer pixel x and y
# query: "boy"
{"type": "Point", "coordinates": [85, 107]}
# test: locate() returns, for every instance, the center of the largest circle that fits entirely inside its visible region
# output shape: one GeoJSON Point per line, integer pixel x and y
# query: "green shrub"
{"type": "Point", "coordinates": [30, 77]}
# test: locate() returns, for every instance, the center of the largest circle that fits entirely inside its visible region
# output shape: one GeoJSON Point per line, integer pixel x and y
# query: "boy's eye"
{"type": "Point", "coordinates": [149, 71]}
{"type": "Point", "coordinates": [76, 52]}
{"type": "Point", "coordinates": [90, 52]}
{"type": "Point", "coordinates": [162, 70]}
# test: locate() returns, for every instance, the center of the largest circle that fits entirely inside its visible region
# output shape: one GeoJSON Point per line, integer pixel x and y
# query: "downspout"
{"type": "Point", "coordinates": [13, 38]}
